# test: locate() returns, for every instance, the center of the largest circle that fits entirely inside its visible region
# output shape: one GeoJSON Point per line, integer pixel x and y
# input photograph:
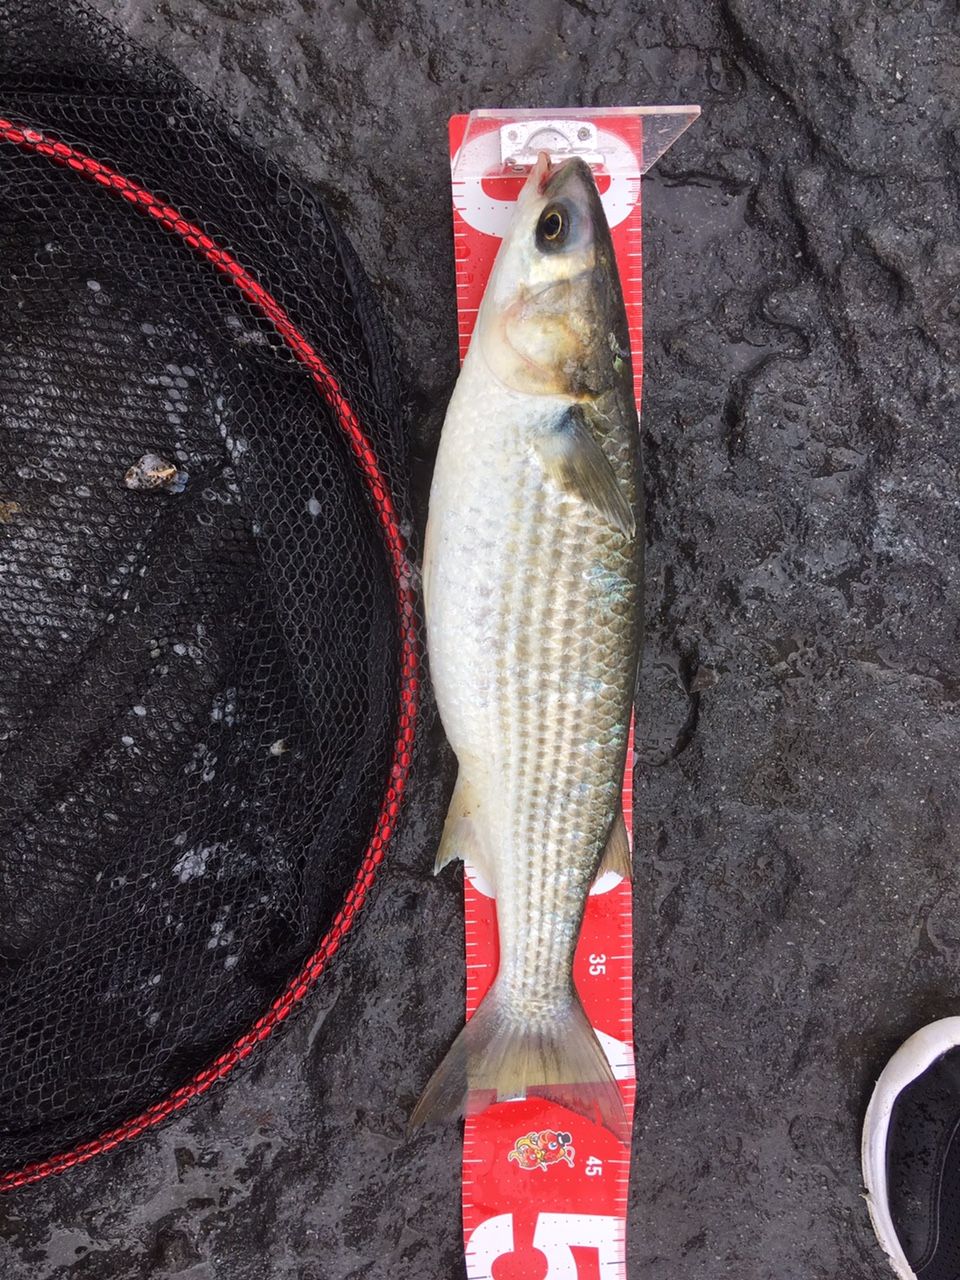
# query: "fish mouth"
{"type": "Point", "coordinates": [553, 179]}
{"type": "Point", "coordinates": [547, 178]}
{"type": "Point", "coordinates": [541, 171]}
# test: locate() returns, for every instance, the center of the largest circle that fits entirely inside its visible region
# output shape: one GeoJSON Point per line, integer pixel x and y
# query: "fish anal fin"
{"type": "Point", "coordinates": [616, 854]}
{"type": "Point", "coordinates": [460, 838]}
{"type": "Point", "coordinates": [574, 461]}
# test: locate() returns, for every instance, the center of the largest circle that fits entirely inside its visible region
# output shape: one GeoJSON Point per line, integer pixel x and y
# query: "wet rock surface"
{"type": "Point", "coordinates": [797, 888]}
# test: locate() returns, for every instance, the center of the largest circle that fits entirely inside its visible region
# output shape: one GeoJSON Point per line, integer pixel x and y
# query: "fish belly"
{"type": "Point", "coordinates": [532, 629]}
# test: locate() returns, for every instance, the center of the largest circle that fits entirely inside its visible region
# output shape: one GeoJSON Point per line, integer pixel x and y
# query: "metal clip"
{"type": "Point", "coordinates": [522, 140]}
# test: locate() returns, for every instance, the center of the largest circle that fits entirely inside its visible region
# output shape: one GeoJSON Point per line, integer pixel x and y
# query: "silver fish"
{"type": "Point", "coordinates": [532, 580]}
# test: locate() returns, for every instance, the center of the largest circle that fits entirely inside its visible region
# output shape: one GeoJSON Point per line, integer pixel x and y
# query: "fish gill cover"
{"type": "Point", "coordinates": [207, 633]}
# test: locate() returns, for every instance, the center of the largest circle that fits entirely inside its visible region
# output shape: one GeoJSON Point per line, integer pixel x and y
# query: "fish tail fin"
{"type": "Point", "coordinates": [497, 1058]}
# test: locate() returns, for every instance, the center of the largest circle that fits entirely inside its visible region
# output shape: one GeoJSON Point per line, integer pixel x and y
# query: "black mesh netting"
{"type": "Point", "coordinates": [205, 662]}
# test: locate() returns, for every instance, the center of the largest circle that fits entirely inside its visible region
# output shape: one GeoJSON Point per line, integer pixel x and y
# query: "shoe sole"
{"type": "Point", "coordinates": [910, 1061]}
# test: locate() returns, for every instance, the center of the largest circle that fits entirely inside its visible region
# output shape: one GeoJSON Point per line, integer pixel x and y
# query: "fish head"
{"type": "Point", "coordinates": [552, 320]}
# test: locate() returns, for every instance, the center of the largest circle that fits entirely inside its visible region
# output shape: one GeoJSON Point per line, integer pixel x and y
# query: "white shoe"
{"type": "Point", "coordinates": [911, 1155]}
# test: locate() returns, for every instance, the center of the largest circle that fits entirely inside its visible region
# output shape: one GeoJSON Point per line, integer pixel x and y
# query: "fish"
{"type": "Point", "coordinates": [532, 589]}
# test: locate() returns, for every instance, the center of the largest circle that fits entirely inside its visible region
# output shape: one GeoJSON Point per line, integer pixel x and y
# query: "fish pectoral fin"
{"type": "Point", "coordinates": [616, 854]}
{"type": "Point", "coordinates": [460, 837]}
{"type": "Point", "coordinates": [572, 459]}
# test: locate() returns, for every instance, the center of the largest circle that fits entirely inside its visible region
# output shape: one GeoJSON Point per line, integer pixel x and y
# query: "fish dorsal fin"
{"type": "Point", "coordinates": [460, 837]}
{"type": "Point", "coordinates": [616, 854]}
{"type": "Point", "coordinates": [572, 459]}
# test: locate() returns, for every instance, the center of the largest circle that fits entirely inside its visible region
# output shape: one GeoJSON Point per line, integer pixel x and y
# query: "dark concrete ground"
{"type": "Point", "coordinates": [797, 895]}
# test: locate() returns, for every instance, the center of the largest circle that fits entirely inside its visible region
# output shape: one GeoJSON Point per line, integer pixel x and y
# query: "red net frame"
{"type": "Point", "coordinates": [193, 238]}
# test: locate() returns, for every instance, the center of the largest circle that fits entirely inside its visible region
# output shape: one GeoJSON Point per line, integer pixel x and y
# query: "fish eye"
{"type": "Point", "coordinates": [553, 228]}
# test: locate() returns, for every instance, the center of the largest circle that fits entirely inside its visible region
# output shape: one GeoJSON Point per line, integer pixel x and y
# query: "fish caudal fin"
{"type": "Point", "coordinates": [498, 1058]}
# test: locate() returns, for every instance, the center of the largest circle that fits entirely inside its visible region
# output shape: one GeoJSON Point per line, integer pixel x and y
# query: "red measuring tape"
{"type": "Point", "coordinates": [544, 1189]}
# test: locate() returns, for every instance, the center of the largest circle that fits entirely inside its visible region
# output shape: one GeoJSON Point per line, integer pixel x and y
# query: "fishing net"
{"type": "Point", "coordinates": [207, 644]}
